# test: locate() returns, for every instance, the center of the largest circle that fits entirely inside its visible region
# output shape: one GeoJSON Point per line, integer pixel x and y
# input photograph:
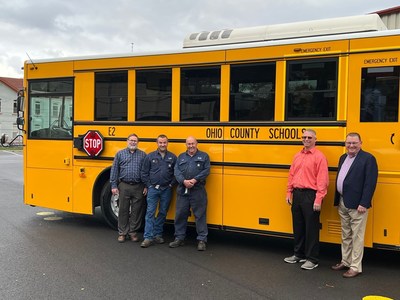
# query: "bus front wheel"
{"type": "Point", "coordinates": [109, 206]}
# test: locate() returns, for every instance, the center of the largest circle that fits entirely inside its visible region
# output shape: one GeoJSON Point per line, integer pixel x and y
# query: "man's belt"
{"type": "Point", "coordinates": [303, 190]}
{"type": "Point", "coordinates": [130, 182]}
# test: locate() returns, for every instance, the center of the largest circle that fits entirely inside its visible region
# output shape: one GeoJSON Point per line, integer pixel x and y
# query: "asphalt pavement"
{"type": "Point", "coordinates": [47, 254]}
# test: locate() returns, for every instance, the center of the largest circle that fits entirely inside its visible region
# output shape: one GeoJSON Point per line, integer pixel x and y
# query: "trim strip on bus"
{"type": "Point", "coordinates": [386, 247]}
{"type": "Point", "coordinates": [218, 164]}
{"type": "Point", "coordinates": [215, 124]}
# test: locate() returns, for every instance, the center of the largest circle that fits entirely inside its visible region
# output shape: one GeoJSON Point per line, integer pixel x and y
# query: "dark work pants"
{"type": "Point", "coordinates": [197, 200]}
{"type": "Point", "coordinates": [305, 225]}
{"type": "Point", "coordinates": [132, 207]}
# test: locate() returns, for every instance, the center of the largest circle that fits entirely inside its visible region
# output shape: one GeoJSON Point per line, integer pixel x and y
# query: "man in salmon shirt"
{"type": "Point", "coordinates": [307, 186]}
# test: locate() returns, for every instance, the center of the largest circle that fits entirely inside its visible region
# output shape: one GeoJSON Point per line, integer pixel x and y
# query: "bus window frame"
{"type": "Point", "coordinates": [216, 114]}
{"type": "Point", "coordinates": [60, 132]}
{"type": "Point", "coordinates": [272, 92]}
{"type": "Point", "coordinates": [329, 89]}
{"type": "Point", "coordinates": [157, 97]}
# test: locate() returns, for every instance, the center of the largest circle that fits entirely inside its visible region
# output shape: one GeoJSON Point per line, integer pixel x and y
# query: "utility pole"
{"type": "Point", "coordinates": [131, 47]}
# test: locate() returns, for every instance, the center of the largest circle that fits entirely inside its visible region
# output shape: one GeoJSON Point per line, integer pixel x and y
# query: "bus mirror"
{"type": "Point", "coordinates": [3, 139]}
{"type": "Point", "coordinates": [20, 101]}
{"type": "Point", "coordinates": [20, 123]}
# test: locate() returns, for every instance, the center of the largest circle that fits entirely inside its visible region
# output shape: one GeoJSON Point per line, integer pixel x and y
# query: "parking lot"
{"type": "Point", "coordinates": [47, 254]}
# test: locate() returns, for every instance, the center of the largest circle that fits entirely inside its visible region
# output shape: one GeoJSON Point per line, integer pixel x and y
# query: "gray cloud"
{"type": "Point", "coordinates": [55, 28]}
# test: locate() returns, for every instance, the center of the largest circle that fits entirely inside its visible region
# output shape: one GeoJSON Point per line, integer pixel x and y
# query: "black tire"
{"type": "Point", "coordinates": [109, 206]}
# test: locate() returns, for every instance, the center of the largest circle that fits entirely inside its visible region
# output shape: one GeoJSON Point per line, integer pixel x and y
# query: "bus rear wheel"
{"type": "Point", "coordinates": [109, 206]}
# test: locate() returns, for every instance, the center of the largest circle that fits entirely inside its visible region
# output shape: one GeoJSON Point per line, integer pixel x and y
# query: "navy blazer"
{"type": "Point", "coordinates": [360, 182]}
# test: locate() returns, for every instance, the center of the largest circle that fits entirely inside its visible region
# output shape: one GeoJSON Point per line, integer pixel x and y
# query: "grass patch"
{"type": "Point", "coordinates": [12, 148]}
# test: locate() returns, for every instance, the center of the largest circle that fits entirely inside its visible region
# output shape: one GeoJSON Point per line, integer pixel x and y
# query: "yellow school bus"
{"type": "Point", "coordinates": [246, 95]}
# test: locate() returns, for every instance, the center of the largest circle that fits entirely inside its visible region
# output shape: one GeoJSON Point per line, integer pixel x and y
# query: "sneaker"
{"type": "Point", "coordinates": [146, 243]}
{"type": "Point", "coordinates": [201, 246]}
{"type": "Point", "coordinates": [293, 259]}
{"type": "Point", "coordinates": [159, 240]}
{"type": "Point", "coordinates": [309, 265]}
{"type": "Point", "coordinates": [121, 238]}
{"type": "Point", "coordinates": [176, 243]}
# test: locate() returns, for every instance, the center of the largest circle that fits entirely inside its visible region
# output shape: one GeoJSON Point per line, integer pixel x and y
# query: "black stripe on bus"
{"type": "Point", "coordinates": [240, 230]}
{"type": "Point", "coordinates": [386, 247]}
{"type": "Point", "coordinates": [216, 124]}
{"type": "Point", "coordinates": [214, 163]}
{"type": "Point", "coordinates": [255, 165]}
{"type": "Point", "coordinates": [257, 231]}
{"type": "Point", "coordinates": [235, 142]}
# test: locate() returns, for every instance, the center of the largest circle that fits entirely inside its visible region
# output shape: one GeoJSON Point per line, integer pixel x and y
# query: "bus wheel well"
{"type": "Point", "coordinates": [98, 186]}
{"type": "Point", "coordinates": [102, 197]}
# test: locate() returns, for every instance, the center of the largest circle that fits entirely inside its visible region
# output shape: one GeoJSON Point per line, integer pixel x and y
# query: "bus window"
{"type": "Point", "coordinates": [153, 95]}
{"type": "Point", "coordinates": [252, 94]}
{"type": "Point", "coordinates": [200, 94]}
{"type": "Point", "coordinates": [311, 90]}
{"type": "Point", "coordinates": [380, 94]}
{"type": "Point", "coordinates": [111, 94]}
{"type": "Point", "coordinates": [51, 116]}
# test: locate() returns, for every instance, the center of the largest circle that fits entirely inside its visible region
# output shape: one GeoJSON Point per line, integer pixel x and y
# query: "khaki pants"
{"type": "Point", "coordinates": [353, 231]}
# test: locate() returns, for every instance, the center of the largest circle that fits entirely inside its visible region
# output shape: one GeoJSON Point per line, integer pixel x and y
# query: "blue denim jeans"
{"type": "Point", "coordinates": [154, 226]}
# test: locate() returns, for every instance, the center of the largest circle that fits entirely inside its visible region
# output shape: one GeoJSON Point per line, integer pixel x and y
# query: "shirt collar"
{"type": "Point", "coordinates": [312, 150]}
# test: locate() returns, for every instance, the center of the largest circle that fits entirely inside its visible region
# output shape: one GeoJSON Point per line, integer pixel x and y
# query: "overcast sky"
{"type": "Point", "coordinates": [55, 28]}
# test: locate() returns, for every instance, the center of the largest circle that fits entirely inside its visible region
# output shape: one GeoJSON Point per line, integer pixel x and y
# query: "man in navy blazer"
{"type": "Point", "coordinates": [355, 187]}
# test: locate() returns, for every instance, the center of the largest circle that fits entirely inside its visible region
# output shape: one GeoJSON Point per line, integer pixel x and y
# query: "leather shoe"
{"type": "Point", "coordinates": [134, 237]}
{"type": "Point", "coordinates": [351, 273]}
{"type": "Point", "coordinates": [201, 246]}
{"type": "Point", "coordinates": [340, 266]}
{"type": "Point", "coordinates": [176, 243]}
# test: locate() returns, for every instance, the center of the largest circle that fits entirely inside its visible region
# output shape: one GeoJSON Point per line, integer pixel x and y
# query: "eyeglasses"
{"type": "Point", "coordinates": [351, 143]}
{"type": "Point", "coordinates": [306, 137]}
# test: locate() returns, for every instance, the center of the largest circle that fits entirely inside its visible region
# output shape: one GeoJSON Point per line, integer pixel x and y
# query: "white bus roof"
{"type": "Point", "coordinates": [341, 25]}
{"type": "Point", "coordinates": [238, 45]}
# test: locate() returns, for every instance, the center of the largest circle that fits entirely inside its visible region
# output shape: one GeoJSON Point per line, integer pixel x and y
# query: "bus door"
{"type": "Point", "coordinates": [49, 144]}
{"type": "Point", "coordinates": [373, 111]}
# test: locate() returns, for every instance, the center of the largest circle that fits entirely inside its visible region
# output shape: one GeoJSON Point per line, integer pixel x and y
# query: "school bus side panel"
{"type": "Point", "coordinates": [382, 139]}
{"type": "Point", "coordinates": [49, 174]}
{"type": "Point", "coordinates": [255, 184]}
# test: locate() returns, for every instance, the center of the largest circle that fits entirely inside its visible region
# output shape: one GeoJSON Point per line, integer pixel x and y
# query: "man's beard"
{"type": "Point", "coordinates": [132, 148]}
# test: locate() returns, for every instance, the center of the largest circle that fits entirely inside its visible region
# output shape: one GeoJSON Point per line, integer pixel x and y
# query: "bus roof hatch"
{"type": "Point", "coordinates": [363, 23]}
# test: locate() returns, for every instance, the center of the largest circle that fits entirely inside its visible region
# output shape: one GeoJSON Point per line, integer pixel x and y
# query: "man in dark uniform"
{"type": "Point", "coordinates": [125, 179]}
{"type": "Point", "coordinates": [191, 171]}
{"type": "Point", "coordinates": [158, 176]}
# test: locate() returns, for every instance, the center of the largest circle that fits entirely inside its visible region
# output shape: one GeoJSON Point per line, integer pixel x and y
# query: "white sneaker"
{"type": "Point", "coordinates": [308, 265]}
{"type": "Point", "coordinates": [293, 259]}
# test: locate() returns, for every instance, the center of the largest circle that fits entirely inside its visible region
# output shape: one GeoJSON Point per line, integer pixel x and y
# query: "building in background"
{"type": "Point", "coordinates": [9, 88]}
{"type": "Point", "coordinates": [390, 17]}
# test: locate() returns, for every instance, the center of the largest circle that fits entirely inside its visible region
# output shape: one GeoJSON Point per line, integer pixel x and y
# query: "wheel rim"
{"type": "Point", "coordinates": [114, 205]}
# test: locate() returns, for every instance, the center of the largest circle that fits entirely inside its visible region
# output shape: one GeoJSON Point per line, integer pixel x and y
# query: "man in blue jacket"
{"type": "Point", "coordinates": [158, 176]}
{"type": "Point", "coordinates": [355, 186]}
{"type": "Point", "coordinates": [191, 170]}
